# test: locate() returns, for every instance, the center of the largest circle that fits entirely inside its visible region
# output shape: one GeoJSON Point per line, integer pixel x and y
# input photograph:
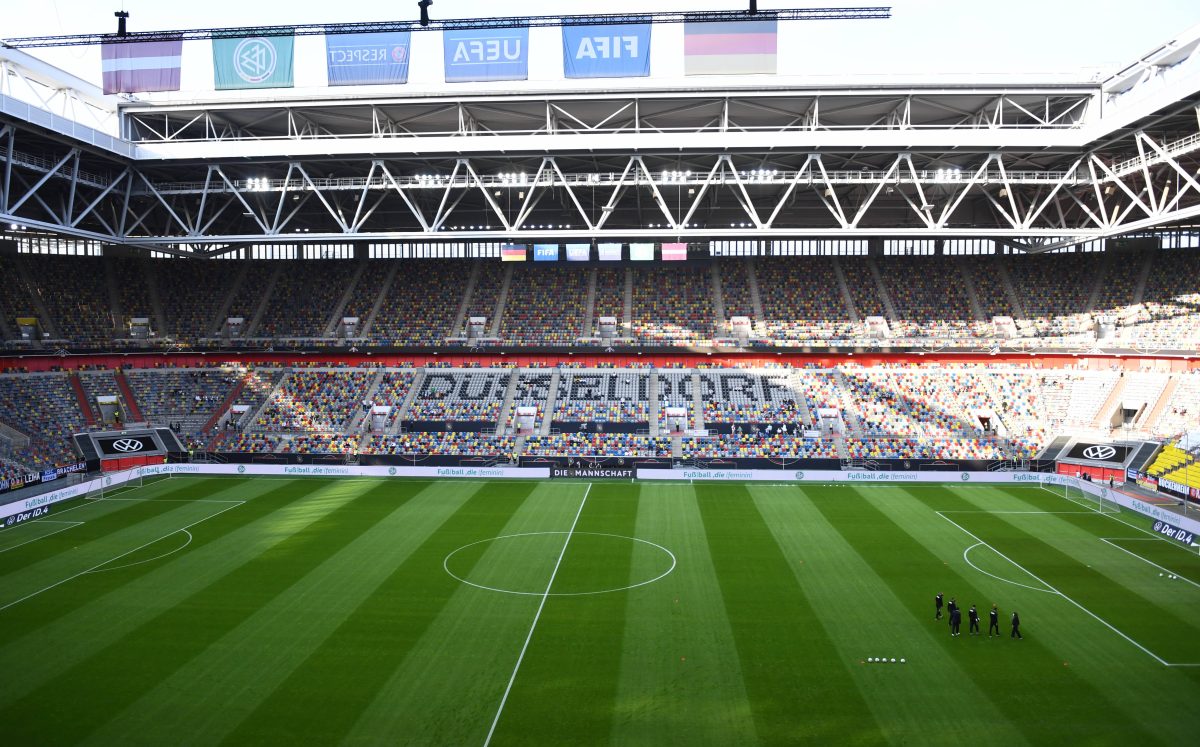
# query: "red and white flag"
{"type": "Point", "coordinates": [136, 67]}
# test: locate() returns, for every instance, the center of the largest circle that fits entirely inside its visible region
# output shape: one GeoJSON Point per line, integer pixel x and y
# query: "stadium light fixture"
{"type": "Point", "coordinates": [424, 6]}
{"type": "Point", "coordinates": [122, 16]}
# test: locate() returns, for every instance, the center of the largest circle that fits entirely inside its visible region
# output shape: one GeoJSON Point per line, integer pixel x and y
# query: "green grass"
{"type": "Point", "coordinates": [257, 611]}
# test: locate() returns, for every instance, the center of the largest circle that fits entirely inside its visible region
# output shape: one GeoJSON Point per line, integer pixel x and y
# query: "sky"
{"type": "Point", "coordinates": [922, 37]}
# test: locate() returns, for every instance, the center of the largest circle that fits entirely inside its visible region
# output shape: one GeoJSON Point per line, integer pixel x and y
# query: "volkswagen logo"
{"type": "Point", "coordinates": [254, 60]}
{"type": "Point", "coordinates": [128, 444]}
{"type": "Point", "coordinates": [1100, 452]}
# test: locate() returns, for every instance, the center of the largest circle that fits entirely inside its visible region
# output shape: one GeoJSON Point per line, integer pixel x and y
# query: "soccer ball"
{"type": "Point", "coordinates": [893, 661]}
{"type": "Point", "coordinates": [902, 661]}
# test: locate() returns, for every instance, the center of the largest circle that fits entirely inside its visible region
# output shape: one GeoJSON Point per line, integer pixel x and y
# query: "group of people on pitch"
{"type": "Point", "coordinates": [955, 615]}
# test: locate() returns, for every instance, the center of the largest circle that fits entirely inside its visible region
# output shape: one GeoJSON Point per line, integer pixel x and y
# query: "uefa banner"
{"type": "Point", "coordinates": [253, 62]}
{"type": "Point", "coordinates": [617, 51]}
{"type": "Point", "coordinates": [486, 54]}
{"type": "Point", "coordinates": [579, 252]}
{"type": "Point", "coordinates": [367, 59]}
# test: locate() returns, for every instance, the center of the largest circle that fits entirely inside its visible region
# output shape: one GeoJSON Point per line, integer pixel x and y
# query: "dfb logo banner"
{"type": "Point", "coordinates": [617, 51]}
{"type": "Point", "coordinates": [486, 54]}
{"type": "Point", "coordinates": [367, 59]}
{"type": "Point", "coordinates": [253, 62]}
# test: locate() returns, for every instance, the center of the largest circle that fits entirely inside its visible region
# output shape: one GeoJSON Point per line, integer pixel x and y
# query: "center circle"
{"type": "Point", "coordinates": [524, 563]}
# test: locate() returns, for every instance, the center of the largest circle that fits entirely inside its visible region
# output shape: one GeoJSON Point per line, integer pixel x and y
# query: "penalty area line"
{"type": "Point", "coordinates": [536, 617]}
{"type": "Point", "coordinates": [118, 557]}
{"type": "Point", "coordinates": [69, 524]}
{"type": "Point", "coordinates": [1042, 581]}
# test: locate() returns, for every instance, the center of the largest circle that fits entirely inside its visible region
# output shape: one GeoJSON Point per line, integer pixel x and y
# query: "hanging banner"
{"type": "Point", "coordinates": [641, 252]}
{"type": "Point", "coordinates": [674, 252]}
{"type": "Point", "coordinates": [486, 54]}
{"type": "Point", "coordinates": [610, 252]}
{"type": "Point", "coordinates": [367, 59]}
{"type": "Point", "coordinates": [729, 48]}
{"type": "Point", "coordinates": [579, 252]}
{"type": "Point", "coordinates": [545, 252]}
{"type": "Point", "coordinates": [617, 51]}
{"type": "Point", "coordinates": [513, 252]}
{"type": "Point", "coordinates": [253, 62]}
{"type": "Point", "coordinates": [137, 67]}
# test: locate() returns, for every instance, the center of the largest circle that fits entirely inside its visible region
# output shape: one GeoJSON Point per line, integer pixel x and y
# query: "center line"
{"type": "Point", "coordinates": [536, 617]}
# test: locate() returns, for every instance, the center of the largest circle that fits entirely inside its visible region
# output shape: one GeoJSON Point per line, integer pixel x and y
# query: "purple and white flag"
{"type": "Point", "coordinates": [135, 67]}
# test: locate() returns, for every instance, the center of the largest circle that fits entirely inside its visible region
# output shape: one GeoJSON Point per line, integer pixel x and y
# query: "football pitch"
{"type": "Point", "coordinates": [261, 611]}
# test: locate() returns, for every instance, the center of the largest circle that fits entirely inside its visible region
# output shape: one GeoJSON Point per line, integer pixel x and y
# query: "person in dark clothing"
{"type": "Point", "coordinates": [973, 619]}
{"type": "Point", "coordinates": [952, 606]}
{"type": "Point", "coordinates": [955, 620]}
{"type": "Point", "coordinates": [993, 621]}
{"type": "Point", "coordinates": [1016, 626]}
{"type": "Point", "coordinates": [937, 602]}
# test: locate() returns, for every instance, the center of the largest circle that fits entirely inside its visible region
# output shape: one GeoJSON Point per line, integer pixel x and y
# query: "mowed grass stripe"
{"type": "Point", "coordinates": [321, 700]}
{"type": "Point", "coordinates": [799, 686]}
{"type": "Point", "coordinates": [247, 664]}
{"type": "Point", "coordinates": [911, 548]}
{"type": "Point", "coordinates": [484, 629]}
{"type": "Point", "coordinates": [109, 528]}
{"type": "Point", "coordinates": [1125, 592]}
{"type": "Point", "coordinates": [681, 681]}
{"type": "Point", "coordinates": [574, 657]}
{"type": "Point", "coordinates": [60, 635]}
{"type": "Point", "coordinates": [864, 618]}
{"type": "Point", "coordinates": [72, 705]}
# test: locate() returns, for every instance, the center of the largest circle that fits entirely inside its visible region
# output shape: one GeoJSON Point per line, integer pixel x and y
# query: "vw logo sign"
{"type": "Point", "coordinates": [241, 468]}
{"type": "Point", "coordinates": [254, 60]}
{"type": "Point", "coordinates": [128, 444]}
{"type": "Point", "coordinates": [1100, 452]}
{"type": "Point", "coordinates": [1158, 526]}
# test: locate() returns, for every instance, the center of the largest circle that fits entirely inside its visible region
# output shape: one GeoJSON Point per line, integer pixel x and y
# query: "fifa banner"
{"type": "Point", "coordinates": [513, 252]}
{"type": "Point", "coordinates": [641, 252]}
{"type": "Point", "coordinates": [486, 54]}
{"type": "Point", "coordinates": [609, 252]}
{"type": "Point", "coordinates": [674, 252]}
{"type": "Point", "coordinates": [617, 51]}
{"type": "Point", "coordinates": [367, 59]}
{"type": "Point", "coordinates": [253, 62]}
{"type": "Point", "coordinates": [730, 48]}
{"type": "Point", "coordinates": [545, 252]}
{"type": "Point", "coordinates": [137, 67]}
{"type": "Point", "coordinates": [579, 252]}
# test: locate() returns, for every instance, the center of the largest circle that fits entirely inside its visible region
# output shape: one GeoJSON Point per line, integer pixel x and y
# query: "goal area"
{"type": "Point", "coordinates": [1092, 497]}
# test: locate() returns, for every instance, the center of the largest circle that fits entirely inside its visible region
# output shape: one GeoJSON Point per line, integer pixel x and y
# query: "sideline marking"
{"type": "Point", "coordinates": [118, 557]}
{"type": "Point", "coordinates": [664, 574]}
{"type": "Point", "coordinates": [1108, 541]}
{"type": "Point", "coordinates": [1099, 619]}
{"type": "Point", "coordinates": [536, 617]}
{"type": "Point", "coordinates": [44, 536]}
